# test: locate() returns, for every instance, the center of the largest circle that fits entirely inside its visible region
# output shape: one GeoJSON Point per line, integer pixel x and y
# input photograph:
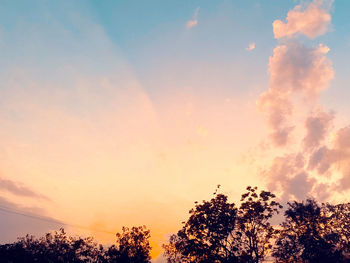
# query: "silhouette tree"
{"type": "Point", "coordinates": [10, 253]}
{"type": "Point", "coordinates": [215, 232]}
{"type": "Point", "coordinates": [219, 232]}
{"type": "Point", "coordinates": [174, 249]}
{"type": "Point", "coordinates": [207, 236]}
{"type": "Point", "coordinates": [340, 222]}
{"type": "Point", "coordinates": [132, 246]}
{"type": "Point", "coordinates": [253, 225]}
{"type": "Point", "coordinates": [53, 247]}
{"type": "Point", "coordinates": [307, 235]}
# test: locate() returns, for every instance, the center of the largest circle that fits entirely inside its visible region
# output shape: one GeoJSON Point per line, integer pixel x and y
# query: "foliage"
{"type": "Point", "coordinates": [217, 231]}
{"type": "Point", "coordinates": [207, 235]}
{"type": "Point", "coordinates": [307, 235]}
{"type": "Point", "coordinates": [339, 216]}
{"type": "Point", "coordinates": [132, 246]}
{"type": "Point", "coordinates": [254, 228]}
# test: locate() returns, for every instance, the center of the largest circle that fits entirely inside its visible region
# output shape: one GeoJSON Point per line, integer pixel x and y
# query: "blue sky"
{"type": "Point", "coordinates": [148, 33]}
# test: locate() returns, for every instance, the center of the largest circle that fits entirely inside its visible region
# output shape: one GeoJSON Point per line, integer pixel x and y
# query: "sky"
{"type": "Point", "coordinates": [122, 113]}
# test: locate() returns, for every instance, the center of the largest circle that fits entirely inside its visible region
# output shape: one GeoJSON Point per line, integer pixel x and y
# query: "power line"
{"type": "Point", "coordinates": [49, 220]}
{"type": "Point", "coordinates": [8, 210]}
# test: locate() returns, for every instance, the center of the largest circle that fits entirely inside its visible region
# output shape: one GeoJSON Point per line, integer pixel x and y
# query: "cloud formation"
{"type": "Point", "coordinates": [298, 75]}
{"type": "Point", "coordinates": [334, 159]}
{"type": "Point", "coordinates": [311, 20]}
{"type": "Point", "coordinates": [251, 47]}
{"type": "Point", "coordinates": [317, 128]}
{"type": "Point", "coordinates": [194, 21]}
{"type": "Point", "coordinates": [294, 69]}
{"type": "Point", "coordinates": [19, 189]}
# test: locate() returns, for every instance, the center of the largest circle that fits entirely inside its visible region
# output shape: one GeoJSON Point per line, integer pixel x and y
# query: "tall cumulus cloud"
{"type": "Point", "coordinates": [318, 163]}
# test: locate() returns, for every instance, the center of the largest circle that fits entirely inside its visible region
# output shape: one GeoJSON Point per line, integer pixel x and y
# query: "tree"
{"type": "Point", "coordinates": [339, 216]}
{"type": "Point", "coordinates": [219, 232]}
{"type": "Point", "coordinates": [207, 236]}
{"type": "Point", "coordinates": [132, 246]}
{"type": "Point", "coordinates": [255, 231]}
{"type": "Point", "coordinates": [174, 249]}
{"type": "Point", "coordinates": [307, 235]}
{"type": "Point", "coordinates": [53, 247]}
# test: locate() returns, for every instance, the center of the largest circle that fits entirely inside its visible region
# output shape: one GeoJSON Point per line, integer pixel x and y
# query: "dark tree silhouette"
{"type": "Point", "coordinates": [340, 222]}
{"type": "Point", "coordinates": [254, 229]}
{"type": "Point", "coordinates": [174, 249]}
{"type": "Point", "coordinates": [219, 232]}
{"type": "Point", "coordinates": [215, 232]}
{"type": "Point", "coordinates": [207, 234]}
{"type": "Point", "coordinates": [307, 235]}
{"type": "Point", "coordinates": [132, 246]}
{"type": "Point", "coordinates": [53, 247]}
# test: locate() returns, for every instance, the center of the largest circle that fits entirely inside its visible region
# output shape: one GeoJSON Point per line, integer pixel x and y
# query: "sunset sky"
{"type": "Point", "coordinates": [122, 113]}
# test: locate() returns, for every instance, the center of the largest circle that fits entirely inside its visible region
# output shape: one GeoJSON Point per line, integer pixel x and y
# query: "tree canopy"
{"type": "Point", "coordinates": [312, 233]}
{"type": "Point", "coordinates": [132, 246]}
{"type": "Point", "coordinates": [216, 231]}
{"type": "Point", "coordinates": [219, 231]}
{"type": "Point", "coordinates": [207, 235]}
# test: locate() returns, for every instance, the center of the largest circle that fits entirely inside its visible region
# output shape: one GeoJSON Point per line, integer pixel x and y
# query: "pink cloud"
{"type": "Point", "coordinates": [194, 21]}
{"type": "Point", "coordinates": [312, 20]}
{"type": "Point", "coordinates": [251, 47]}
{"type": "Point", "coordinates": [298, 75]}
{"type": "Point", "coordinates": [335, 158]}
{"type": "Point", "coordinates": [317, 128]}
{"type": "Point", "coordinates": [294, 69]}
{"type": "Point", "coordinates": [290, 173]}
{"type": "Point", "coordinates": [191, 23]}
{"type": "Point", "coordinates": [277, 108]}
{"type": "Point", "coordinates": [287, 174]}
{"type": "Point", "coordinates": [19, 189]}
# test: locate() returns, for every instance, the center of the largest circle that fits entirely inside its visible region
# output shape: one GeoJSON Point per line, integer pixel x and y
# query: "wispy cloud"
{"type": "Point", "coordinates": [19, 189]}
{"type": "Point", "coordinates": [194, 21]}
{"type": "Point", "coordinates": [251, 47]}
